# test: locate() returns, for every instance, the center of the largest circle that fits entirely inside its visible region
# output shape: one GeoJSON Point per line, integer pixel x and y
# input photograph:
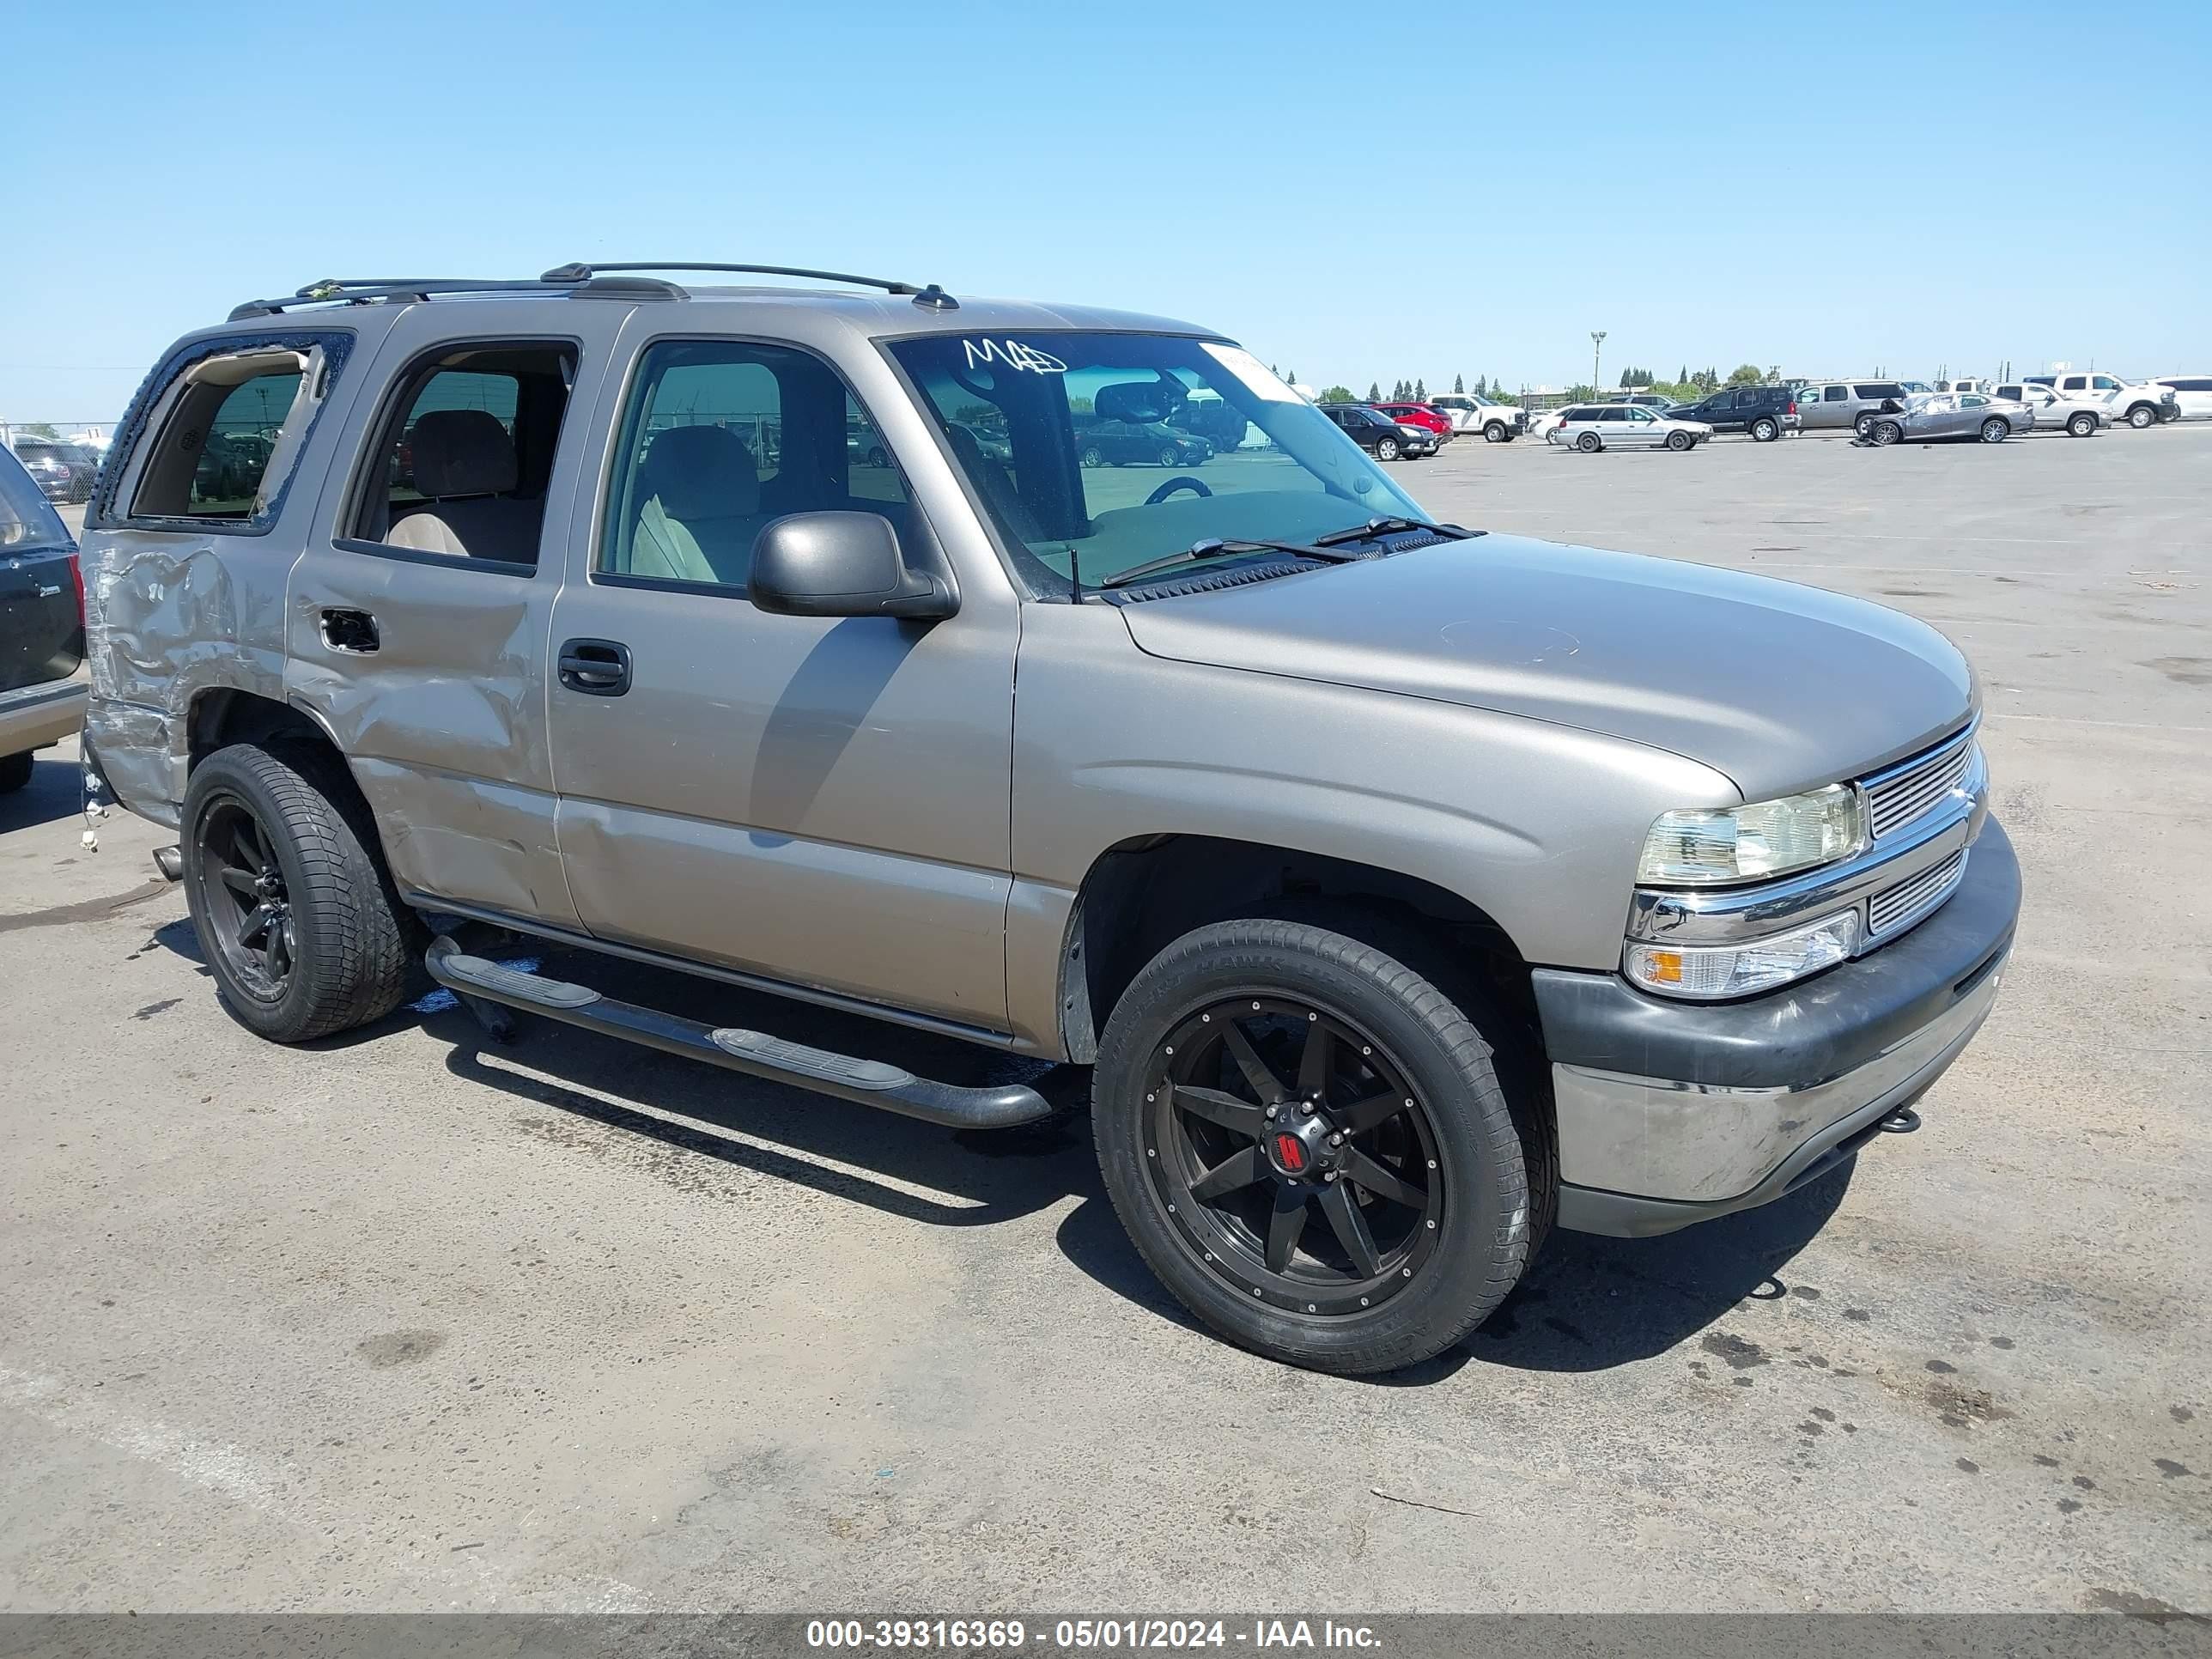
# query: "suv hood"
{"type": "Point", "coordinates": [1778, 686]}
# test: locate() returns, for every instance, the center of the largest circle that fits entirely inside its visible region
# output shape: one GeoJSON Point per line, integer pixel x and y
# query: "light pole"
{"type": "Point", "coordinates": [1597, 345]}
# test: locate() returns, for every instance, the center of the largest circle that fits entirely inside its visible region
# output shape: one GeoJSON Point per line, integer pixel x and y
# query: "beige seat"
{"type": "Point", "coordinates": [465, 466]}
{"type": "Point", "coordinates": [701, 509]}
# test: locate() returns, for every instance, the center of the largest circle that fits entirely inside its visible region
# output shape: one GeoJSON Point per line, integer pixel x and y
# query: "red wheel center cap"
{"type": "Point", "coordinates": [1289, 1154]}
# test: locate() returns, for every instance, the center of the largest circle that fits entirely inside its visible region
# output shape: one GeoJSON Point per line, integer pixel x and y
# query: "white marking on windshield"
{"type": "Point", "coordinates": [1014, 354]}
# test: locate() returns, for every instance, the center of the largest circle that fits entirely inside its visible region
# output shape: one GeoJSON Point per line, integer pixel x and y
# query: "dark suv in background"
{"type": "Point", "coordinates": [1384, 439]}
{"type": "Point", "coordinates": [1764, 411]}
{"type": "Point", "coordinates": [65, 472]}
{"type": "Point", "coordinates": [41, 626]}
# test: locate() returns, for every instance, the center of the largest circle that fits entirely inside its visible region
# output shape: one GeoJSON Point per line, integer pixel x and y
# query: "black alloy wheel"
{"type": "Point", "coordinates": [243, 896]}
{"type": "Point", "coordinates": [1293, 1155]}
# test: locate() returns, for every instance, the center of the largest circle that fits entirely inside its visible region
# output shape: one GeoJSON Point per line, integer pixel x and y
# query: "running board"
{"type": "Point", "coordinates": [869, 1082]}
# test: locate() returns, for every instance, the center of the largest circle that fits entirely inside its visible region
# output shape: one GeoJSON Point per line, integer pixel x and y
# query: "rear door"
{"type": "Point", "coordinates": [425, 654]}
{"type": "Point", "coordinates": [42, 617]}
{"type": "Point", "coordinates": [820, 801]}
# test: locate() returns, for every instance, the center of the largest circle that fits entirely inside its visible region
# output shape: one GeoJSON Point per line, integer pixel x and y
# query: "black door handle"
{"type": "Point", "coordinates": [599, 668]}
{"type": "Point", "coordinates": [351, 631]}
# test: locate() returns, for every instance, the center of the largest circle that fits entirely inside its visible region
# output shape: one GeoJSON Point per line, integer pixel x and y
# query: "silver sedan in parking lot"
{"type": "Point", "coordinates": [1934, 416]}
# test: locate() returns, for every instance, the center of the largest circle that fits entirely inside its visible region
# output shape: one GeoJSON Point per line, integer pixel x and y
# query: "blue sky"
{"type": "Point", "coordinates": [1357, 191]}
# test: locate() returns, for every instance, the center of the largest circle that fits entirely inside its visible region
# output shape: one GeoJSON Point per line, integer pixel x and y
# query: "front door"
{"type": "Point", "coordinates": [819, 801]}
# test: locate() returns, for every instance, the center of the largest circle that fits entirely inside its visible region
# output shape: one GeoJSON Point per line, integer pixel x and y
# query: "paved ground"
{"type": "Point", "coordinates": [399, 1322]}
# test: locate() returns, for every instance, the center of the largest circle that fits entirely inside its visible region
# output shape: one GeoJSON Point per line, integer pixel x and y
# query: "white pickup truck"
{"type": "Point", "coordinates": [2139, 403]}
{"type": "Point", "coordinates": [1470, 411]}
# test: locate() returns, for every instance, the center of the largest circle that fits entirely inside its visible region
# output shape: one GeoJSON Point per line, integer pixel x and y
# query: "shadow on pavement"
{"type": "Point", "coordinates": [55, 791]}
{"type": "Point", "coordinates": [968, 1177]}
{"type": "Point", "coordinates": [1586, 1305]}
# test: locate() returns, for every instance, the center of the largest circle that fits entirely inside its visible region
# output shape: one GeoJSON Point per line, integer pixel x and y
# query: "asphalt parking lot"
{"type": "Point", "coordinates": [408, 1321]}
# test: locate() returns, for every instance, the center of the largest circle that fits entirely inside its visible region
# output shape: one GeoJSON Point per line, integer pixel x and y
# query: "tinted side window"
{"type": "Point", "coordinates": [1835, 394]}
{"type": "Point", "coordinates": [1879, 389]}
{"type": "Point", "coordinates": [721, 437]}
{"type": "Point", "coordinates": [465, 453]}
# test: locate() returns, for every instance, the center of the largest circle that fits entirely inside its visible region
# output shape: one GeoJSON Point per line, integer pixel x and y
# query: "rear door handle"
{"type": "Point", "coordinates": [599, 668]}
{"type": "Point", "coordinates": [351, 631]}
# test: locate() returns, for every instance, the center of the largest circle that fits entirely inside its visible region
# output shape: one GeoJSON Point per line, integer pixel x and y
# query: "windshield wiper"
{"type": "Point", "coordinates": [1390, 527]}
{"type": "Point", "coordinates": [1215, 544]}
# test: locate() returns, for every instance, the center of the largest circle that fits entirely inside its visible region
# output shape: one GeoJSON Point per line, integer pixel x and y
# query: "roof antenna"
{"type": "Point", "coordinates": [1074, 574]}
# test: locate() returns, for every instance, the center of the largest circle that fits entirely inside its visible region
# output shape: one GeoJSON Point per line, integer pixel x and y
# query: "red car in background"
{"type": "Point", "coordinates": [1420, 415]}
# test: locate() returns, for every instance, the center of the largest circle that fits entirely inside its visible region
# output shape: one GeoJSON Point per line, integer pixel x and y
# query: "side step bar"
{"type": "Point", "coordinates": [869, 1082]}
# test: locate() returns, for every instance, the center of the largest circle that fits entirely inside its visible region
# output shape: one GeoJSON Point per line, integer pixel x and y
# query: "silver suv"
{"type": "Point", "coordinates": [1832, 405]}
{"type": "Point", "coordinates": [1409, 888]}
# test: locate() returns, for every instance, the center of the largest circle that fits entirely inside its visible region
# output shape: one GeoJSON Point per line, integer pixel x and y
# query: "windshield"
{"type": "Point", "coordinates": [1113, 450]}
{"type": "Point", "coordinates": [26, 519]}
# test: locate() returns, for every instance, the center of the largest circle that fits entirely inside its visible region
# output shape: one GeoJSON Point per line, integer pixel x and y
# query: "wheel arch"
{"type": "Point", "coordinates": [221, 716]}
{"type": "Point", "coordinates": [1144, 892]}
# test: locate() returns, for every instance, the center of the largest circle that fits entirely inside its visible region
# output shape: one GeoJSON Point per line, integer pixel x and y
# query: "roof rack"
{"type": "Point", "coordinates": [930, 298]}
{"type": "Point", "coordinates": [369, 291]}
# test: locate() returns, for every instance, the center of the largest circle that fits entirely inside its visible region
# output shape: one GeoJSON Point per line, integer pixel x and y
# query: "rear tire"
{"type": "Point", "coordinates": [1422, 1288]}
{"type": "Point", "coordinates": [341, 959]}
{"type": "Point", "coordinates": [1589, 442]}
{"type": "Point", "coordinates": [1092, 457]}
{"type": "Point", "coordinates": [1864, 425]}
{"type": "Point", "coordinates": [1995, 430]}
{"type": "Point", "coordinates": [1766, 429]}
{"type": "Point", "coordinates": [16, 771]}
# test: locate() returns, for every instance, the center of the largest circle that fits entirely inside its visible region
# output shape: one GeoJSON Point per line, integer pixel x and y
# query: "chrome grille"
{"type": "Point", "coordinates": [1910, 900]}
{"type": "Point", "coordinates": [1896, 798]}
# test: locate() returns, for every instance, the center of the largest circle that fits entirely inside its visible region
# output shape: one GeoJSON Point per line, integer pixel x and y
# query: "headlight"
{"type": "Point", "coordinates": [1702, 846]}
{"type": "Point", "coordinates": [1710, 972]}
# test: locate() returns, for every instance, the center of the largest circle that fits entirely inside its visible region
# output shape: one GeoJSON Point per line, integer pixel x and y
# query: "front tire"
{"type": "Point", "coordinates": [2143, 416]}
{"type": "Point", "coordinates": [1886, 432]}
{"type": "Point", "coordinates": [1386, 449]}
{"type": "Point", "coordinates": [1766, 429]}
{"type": "Point", "coordinates": [296, 918]}
{"type": "Point", "coordinates": [1681, 442]}
{"type": "Point", "coordinates": [1496, 433]}
{"type": "Point", "coordinates": [1092, 457]}
{"type": "Point", "coordinates": [1435, 1207]}
{"type": "Point", "coordinates": [16, 771]}
{"type": "Point", "coordinates": [2082, 426]}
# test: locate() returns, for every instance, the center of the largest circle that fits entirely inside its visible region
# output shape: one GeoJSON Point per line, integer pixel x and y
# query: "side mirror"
{"type": "Point", "coordinates": [841, 564]}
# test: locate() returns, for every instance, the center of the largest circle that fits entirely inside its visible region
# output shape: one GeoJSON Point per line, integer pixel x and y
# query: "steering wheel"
{"type": "Point", "coordinates": [1174, 485]}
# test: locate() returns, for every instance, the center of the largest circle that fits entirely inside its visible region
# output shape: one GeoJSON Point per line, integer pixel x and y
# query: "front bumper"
{"type": "Point", "coordinates": [38, 716]}
{"type": "Point", "coordinates": [1671, 1112]}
